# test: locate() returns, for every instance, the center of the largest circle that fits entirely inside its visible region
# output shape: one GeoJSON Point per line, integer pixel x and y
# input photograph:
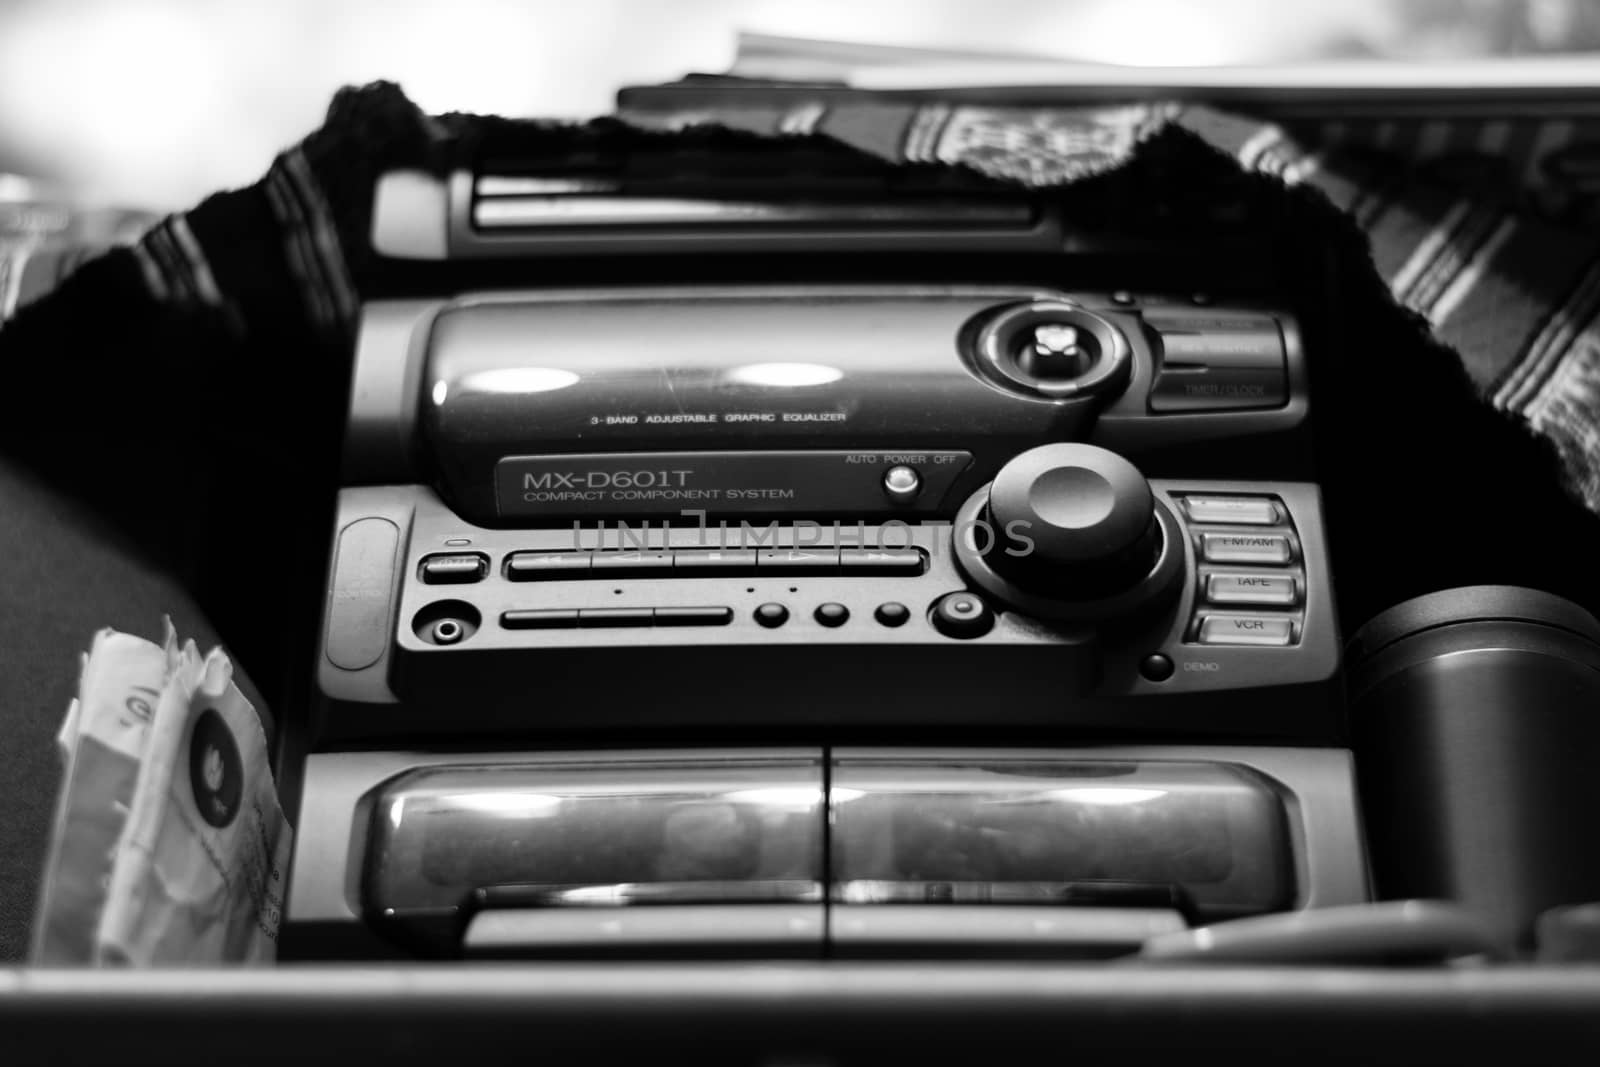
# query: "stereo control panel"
{"type": "Point", "coordinates": [437, 625]}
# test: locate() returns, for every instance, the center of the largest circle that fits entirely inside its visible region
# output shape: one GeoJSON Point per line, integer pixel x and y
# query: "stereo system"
{"type": "Point", "coordinates": [786, 620]}
{"type": "Point", "coordinates": [847, 507]}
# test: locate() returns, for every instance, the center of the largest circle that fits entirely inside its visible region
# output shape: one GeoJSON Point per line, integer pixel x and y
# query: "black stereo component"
{"type": "Point", "coordinates": [688, 621]}
{"type": "Point", "coordinates": [1215, 618]}
{"type": "Point", "coordinates": [809, 852]}
{"type": "Point", "coordinates": [684, 204]}
{"type": "Point", "coordinates": [842, 507]}
{"type": "Point", "coordinates": [541, 408]}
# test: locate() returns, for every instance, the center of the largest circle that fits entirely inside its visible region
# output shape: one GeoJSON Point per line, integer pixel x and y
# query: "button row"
{"type": "Point", "coordinates": [1238, 583]}
{"type": "Point", "coordinates": [961, 615]}
{"type": "Point", "coordinates": [713, 562]}
{"type": "Point", "coordinates": [770, 615]}
{"type": "Point", "coordinates": [891, 614]}
{"type": "Point", "coordinates": [598, 618]}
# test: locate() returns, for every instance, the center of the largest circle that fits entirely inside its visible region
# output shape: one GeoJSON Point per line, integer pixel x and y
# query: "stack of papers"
{"type": "Point", "coordinates": [169, 843]}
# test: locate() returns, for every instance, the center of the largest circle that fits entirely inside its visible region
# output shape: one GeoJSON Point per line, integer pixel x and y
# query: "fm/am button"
{"type": "Point", "coordinates": [1257, 548]}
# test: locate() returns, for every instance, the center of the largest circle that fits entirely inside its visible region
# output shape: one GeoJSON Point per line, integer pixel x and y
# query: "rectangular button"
{"type": "Point", "coordinates": [1268, 589]}
{"type": "Point", "coordinates": [798, 560]}
{"type": "Point", "coordinates": [457, 569]}
{"type": "Point", "coordinates": [1245, 548]}
{"type": "Point", "coordinates": [591, 618]}
{"type": "Point", "coordinates": [1243, 510]}
{"type": "Point", "coordinates": [1185, 321]}
{"type": "Point", "coordinates": [628, 563]}
{"type": "Point", "coordinates": [542, 619]}
{"type": "Point", "coordinates": [714, 562]}
{"type": "Point", "coordinates": [868, 561]}
{"type": "Point", "coordinates": [546, 566]}
{"type": "Point", "coordinates": [1218, 389]}
{"type": "Point", "coordinates": [1223, 348]}
{"type": "Point", "coordinates": [693, 616]}
{"type": "Point", "coordinates": [1246, 630]}
{"type": "Point", "coordinates": [682, 929]}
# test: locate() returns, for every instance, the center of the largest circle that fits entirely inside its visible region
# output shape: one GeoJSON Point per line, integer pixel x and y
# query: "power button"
{"type": "Point", "coordinates": [961, 615]}
{"type": "Point", "coordinates": [901, 484]}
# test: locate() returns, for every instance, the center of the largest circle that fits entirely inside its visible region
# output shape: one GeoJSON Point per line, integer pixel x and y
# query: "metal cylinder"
{"type": "Point", "coordinates": [1475, 714]}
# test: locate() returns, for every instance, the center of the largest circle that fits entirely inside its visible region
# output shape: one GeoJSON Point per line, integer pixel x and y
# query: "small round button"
{"type": "Point", "coordinates": [1155, 667]}
{"type": "Point", "coordinates": [1122, 298]}
{"type": "Point", "coordinates": [902, 484]}
{"type": "Point", "coordinates": [832, 614]}
{"type": "Point", "coordinates": [962, 615]}
{"type": "Point", "coordinates": [892, 614]}
{"type": "Point", "coordinates": [771, 615]}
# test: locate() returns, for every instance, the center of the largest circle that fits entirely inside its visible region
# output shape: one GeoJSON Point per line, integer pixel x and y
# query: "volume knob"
{"type": "Point", "coordinates": [1072, 521]}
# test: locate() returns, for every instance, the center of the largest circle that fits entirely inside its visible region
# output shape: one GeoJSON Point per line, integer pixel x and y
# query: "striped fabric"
{"type": "Point", "coordinates": [1489, 229]}
{"type": "Point", "coordinates": [1493, 240]}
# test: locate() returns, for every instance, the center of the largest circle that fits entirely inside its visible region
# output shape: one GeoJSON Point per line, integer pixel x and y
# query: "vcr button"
{"type": "Point", "coordinates": [1243, 510]}
{"type": "Point", "coordinates": [1275, 590]}
{"type": "Point", "coordinates": [457, 569]}
{"type": "Point", "coordinates": [1246, 630]}
{"type": "Point", "coordinates": [547, 566]}
{"type": "Point", "coordinates": [1245, 548]}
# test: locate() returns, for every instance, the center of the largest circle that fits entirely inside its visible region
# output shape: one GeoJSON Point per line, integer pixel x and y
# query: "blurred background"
{"type": "Point", "coordinates": [155, 103]}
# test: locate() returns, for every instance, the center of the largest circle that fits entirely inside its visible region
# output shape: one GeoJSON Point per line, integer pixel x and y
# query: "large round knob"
{"type": "Point", "coordinates": [1071, 521]}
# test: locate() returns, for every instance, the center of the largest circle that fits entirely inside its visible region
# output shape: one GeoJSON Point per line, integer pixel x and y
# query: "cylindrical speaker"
{"type": "Point", "coordinates": [1476, 719]}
